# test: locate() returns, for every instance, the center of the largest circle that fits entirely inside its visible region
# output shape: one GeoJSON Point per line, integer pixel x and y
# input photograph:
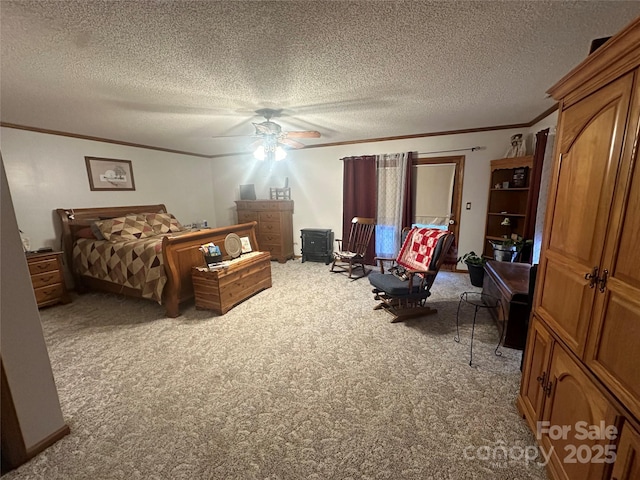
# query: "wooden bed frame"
{"type": "Point", "coordinates": [180, 253]}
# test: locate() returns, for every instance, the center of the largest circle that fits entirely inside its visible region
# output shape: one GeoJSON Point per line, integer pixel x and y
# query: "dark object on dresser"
{"type": "Point", "coordinates": [47, 278]}
{"type": "Point", "coordinates": [510, 283]}
{"type": "Point", "coordinates": [317, 245]}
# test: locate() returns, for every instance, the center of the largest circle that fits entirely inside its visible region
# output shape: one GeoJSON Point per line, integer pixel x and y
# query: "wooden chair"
{"type": "Point", "coordinates": [404, 295]}
{"type": "Point", "coordinates": [351, 254]}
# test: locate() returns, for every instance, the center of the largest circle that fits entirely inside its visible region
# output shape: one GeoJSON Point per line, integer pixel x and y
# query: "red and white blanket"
{"type": "Point", "coordinates": [417, 250]}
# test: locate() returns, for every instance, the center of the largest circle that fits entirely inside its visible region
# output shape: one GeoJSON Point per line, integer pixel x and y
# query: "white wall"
{"type": "Point", "coordinates": [46, 172]}
{"type": "Point", "coordinates": [24, 353]}
{"type": "Point", "coordinates": [315, 178]}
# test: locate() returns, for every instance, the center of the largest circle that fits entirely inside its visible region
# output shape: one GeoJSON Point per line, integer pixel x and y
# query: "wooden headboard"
{"type": "Point", "coordinates": [74, 219]}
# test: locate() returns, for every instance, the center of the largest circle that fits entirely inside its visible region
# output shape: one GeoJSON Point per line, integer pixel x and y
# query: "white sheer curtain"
{"type": "Point", "coordinates": [391, 177]}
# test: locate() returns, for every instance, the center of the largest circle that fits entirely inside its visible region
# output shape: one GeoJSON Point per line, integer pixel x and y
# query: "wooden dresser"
{"type": "Point", "coordinates": [580, 390]}
{"type": "Point", "coordinates": [275, 225]}
{"type": "Point", "coordinates": [47, 278]}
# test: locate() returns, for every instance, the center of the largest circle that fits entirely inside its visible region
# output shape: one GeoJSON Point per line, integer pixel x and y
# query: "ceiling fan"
{"type": "Point", "coordinates": [271, 137]}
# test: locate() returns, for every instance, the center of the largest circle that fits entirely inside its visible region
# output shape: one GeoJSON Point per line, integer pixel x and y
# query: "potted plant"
{"type": "Point", "coordinates": [508, 249]}
{"type": "Point", "coordinates": [475, 264]}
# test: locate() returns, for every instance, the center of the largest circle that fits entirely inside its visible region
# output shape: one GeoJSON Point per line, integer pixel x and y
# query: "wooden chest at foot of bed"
{"type": "Point", "coordinates": [222, 289]}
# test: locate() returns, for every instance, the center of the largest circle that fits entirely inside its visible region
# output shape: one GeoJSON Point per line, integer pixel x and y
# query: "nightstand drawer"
{"type": "Point", "coordinates": [46, 265]}
{"type": "Point", "coordinates": [47, 278]}
{"type": "Point", "coordinates": [50, 293]}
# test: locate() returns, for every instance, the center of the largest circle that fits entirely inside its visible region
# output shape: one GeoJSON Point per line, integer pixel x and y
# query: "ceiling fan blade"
{"type": "Point", "coordinates": [305, 134]}
{"type": "Point", "coordinates": [291, 143]}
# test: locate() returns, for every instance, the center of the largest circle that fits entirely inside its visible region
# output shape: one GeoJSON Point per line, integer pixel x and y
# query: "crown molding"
{"type": "Point", "coordinates": [99, 139]}
{"type": "Point", "coordinates": [319, 145]}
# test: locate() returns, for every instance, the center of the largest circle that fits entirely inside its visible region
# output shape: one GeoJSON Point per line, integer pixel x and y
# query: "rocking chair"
{"type": "Point", "coordinates": [351, 254]}
{"type": "Point", "coordinates": [404, 292]}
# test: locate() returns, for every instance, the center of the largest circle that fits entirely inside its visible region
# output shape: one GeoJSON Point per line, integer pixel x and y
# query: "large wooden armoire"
{"type": "Point", "coordinates": [582, 365]}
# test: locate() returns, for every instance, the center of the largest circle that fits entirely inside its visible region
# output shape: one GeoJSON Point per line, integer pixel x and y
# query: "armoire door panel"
{"type": "Point", "coordinates": [566, 300]}
{"type": "Point", "coordinates": [627, 465]}
{"type": "Point", "coordinates": [625, 256]}
{"type": "Point", "coordinates": [590, 147]}
{"type": "Point", "coordinates": [574, 403]}
{"type": "Point", "coordinates": [539, 346]}
{"type": "Point", "coordinates": [614, 345]}
{"type": "Point", "coordinates": [614, 337]}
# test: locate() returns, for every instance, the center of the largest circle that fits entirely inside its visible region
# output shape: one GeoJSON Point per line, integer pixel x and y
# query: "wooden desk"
{"type": "Point", "coordinates": [510, 283]}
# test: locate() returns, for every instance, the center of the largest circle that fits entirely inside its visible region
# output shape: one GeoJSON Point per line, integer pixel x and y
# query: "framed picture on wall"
{"type": "Point", "coordinates": [109, 174]}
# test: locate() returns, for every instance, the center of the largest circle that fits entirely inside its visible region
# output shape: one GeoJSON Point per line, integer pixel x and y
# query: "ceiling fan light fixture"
{"type": "Point", "coordinates": [270, 153]}
{"type": "Point", "coordinates": [280, 153]}
{"type": "Point", "coordinates": [259, 153]}
{"type": "Point", "coordinates": [270, 137]}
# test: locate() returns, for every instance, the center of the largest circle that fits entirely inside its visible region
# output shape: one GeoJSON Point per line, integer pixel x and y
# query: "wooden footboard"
{"type": "Point", "coordinates": [180, 252]}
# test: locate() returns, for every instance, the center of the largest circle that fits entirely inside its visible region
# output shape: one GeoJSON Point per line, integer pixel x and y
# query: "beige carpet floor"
{"type": "Point", "coordinates": [302, 381]}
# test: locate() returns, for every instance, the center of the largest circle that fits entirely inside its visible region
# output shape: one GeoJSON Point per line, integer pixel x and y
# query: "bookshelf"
{"type": "Point", "coordinates": [509, 198]}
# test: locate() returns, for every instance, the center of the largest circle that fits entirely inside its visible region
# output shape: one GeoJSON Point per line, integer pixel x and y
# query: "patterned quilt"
{"type": "Point", "coordinates": [417, 251]}
{"type": "Point", "coordinates": [133, 263]}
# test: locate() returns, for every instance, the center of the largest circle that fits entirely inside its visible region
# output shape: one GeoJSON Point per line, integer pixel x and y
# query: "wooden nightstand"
{"type": "Point", "coordinates": [47, 278]}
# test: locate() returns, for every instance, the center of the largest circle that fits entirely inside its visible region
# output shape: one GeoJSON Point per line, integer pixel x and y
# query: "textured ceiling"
{"type": "Point", "coordinates": [174, 74]}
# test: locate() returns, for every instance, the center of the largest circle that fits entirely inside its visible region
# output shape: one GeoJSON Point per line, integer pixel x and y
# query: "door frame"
{"type": "Point", "coordinates": [456, 201]}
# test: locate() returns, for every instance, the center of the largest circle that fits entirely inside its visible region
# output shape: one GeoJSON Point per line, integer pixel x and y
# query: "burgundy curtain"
{"type": "Point", "coordinates": [359, 195]}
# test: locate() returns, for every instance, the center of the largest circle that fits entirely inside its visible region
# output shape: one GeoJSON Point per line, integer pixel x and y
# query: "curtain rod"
{"type": "Point", "coordinates": [473, 149]}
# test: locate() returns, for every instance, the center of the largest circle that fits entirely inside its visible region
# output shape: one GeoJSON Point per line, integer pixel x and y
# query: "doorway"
{"type": "Point", "coordinates": [437, 193]}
